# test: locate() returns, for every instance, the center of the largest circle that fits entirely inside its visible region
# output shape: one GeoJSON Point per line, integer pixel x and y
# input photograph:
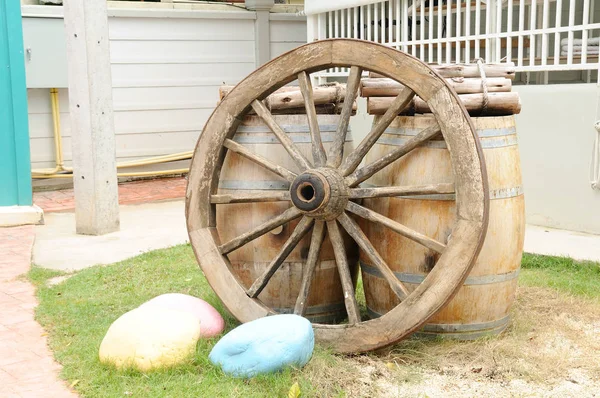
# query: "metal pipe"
{"type": "Point", "coordinates": [133, 174]}
{"type": "Point", "coordinates": [60, 171]}
{"type": "Point", "coordinates": [58, 153]}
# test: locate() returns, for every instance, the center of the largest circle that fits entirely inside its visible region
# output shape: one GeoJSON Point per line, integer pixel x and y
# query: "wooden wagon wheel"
{"type": "Point", "coordinates": [324, 193]}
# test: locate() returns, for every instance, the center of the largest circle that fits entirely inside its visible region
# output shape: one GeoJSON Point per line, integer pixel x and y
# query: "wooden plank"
{"type": "Point", "coordinates": [301, 229]}
{"type": "Point", "coordinates": [506, 70]}
{"type": "Point", "coordinates": [385, 87]}
{"type": "Point", "coordinates": [432, 189]}
{"type": "Point", "coordinates": [250, 197]}
{"type": "Point", "coordinates": [398, 103]}
{"type": "Point", "coordinates": [318, 152]}
{"type": "Point", "coordinates": [291, 97]}
{"type": "Point", "coordinates": [499, 104]}
{"type": "Point", "coordinates": [366, 172]}
{"type": "Point", "coordinates": [267, 164]}
{"type": "Point", "coordinates": [318, 235]}
{"type": "Point", "coordinates": [361, 239]}
{"type": "Point", "coordinates": [262, 229]}
{"type": "Point", "coordinates": [336, 151]}
{"type": "Point", "coordinates": [344, 269]}
{"type": "Point", "coordinates": [372, 216]}
{"type": "Point", "coordinates": [286, 141]}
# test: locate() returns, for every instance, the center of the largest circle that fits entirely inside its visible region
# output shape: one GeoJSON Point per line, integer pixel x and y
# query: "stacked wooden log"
{"type": "Point", "coordinates": [467, 81]}
{"type": "Point", "coordinates": [328, 99]}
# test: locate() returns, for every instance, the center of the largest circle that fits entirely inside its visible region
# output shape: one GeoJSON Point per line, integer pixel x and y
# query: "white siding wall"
{"type": "Point", "coordinates": [166, 74]}
{"type": "Point", "coordinates": [287, 33]}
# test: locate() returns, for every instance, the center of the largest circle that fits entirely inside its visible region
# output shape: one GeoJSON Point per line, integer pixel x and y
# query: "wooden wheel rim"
{"type": "Point", "coordinates": [467, 161]}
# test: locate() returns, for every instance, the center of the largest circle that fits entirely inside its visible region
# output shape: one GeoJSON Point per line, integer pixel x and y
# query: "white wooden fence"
{"type": "Point", "coordinates": [538, 35]}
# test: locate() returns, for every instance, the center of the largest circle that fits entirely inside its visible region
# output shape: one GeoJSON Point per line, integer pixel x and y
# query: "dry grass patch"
{"type": "Point", "coordinates": [551, 348]}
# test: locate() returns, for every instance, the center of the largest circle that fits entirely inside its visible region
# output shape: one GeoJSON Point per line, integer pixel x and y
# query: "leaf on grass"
{"type": "Point", "coordinates": [74, 383]}
{"type": "Point", "coordinates": [294, 391]}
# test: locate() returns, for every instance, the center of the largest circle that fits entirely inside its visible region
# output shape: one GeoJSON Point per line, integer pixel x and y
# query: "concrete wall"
{"type": "Point", "coordinates": [556, 136]}
{"type": "Point", "coordinates": [167, 67]}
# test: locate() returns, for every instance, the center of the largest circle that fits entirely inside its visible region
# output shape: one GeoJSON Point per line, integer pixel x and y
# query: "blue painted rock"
{"type": "Point", "coordinates": [211, 322]}
{"type": "Point", "coordinates": [265, 345]}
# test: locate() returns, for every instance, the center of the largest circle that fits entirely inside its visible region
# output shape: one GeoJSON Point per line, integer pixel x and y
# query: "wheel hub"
{"type": "Point", "coordinates": [320, 193]}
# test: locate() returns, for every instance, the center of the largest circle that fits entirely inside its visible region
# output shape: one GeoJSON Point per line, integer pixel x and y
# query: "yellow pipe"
{"type": "Point", "coordinates": [56, 118]}
{"type": "Point", "coordinates": [156, 160]}
{"type": "Point", "coordinates": [57, 138]}
{"type": "Point", "coordinates": [132, 174]}
{"type": "Point", "coordinates": [60, 167]}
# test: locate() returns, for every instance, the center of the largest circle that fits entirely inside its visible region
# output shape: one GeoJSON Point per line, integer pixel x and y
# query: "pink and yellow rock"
{"type": "Point", "coordinates": [162, 332]}
{"type": "Point", "coordinates": [211, 322]}
{"type": "Point", "coordinates": [150, 338]}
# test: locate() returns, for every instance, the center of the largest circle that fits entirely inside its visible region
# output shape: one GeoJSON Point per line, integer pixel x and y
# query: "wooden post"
{"type": "Point", "coordinates": [92, 122]}
{"type": "Point", "coordinates": [262, 30]}
{"type": "Point", "coordinates": [16, 206]}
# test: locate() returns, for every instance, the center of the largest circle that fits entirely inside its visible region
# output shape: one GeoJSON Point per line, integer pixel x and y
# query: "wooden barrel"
{"type": "Point", "coordinates": [326, 300]}
{"type": "Point", "coordinates": [482, 305]}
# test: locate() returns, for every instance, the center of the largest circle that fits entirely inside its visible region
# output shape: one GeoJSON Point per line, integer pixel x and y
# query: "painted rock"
{"type": "Point", "coordinates": [211, 322]}
{"type": "Point", "coordinates": [150, 338]}
{"type": "Point", "coordinates": [265, 345]}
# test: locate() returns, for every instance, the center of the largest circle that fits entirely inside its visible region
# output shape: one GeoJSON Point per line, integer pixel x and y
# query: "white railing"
{"type": "Point", "coordinates": [537, 36]}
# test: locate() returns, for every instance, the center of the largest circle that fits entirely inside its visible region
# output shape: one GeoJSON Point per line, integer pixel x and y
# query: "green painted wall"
{"type": "Point", "coordinates": [15, 169]}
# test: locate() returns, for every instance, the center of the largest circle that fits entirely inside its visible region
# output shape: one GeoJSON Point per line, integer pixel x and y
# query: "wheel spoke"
{"type": "Point", "coordinates": [379, 192]}
{"type": "Point", "coordinates": [250, 197]}
{"type": "Point", "coordinates": [286, 216]}
{"type": "Point", "coordinates": [366, 172]}
{"type": "Point", "coordinates": [396, 227]}
{"type": "Point", "coordinates": [400, 102]}
{"type": "Point", "coordinates": [343, 268]}
{"type": "Point", "coordinates": [316, 241]}
{"type": "Point", "coordinates": [262, 111]}
{"type": "Point", "coordinates": [301, 229]}
{"type": "Point", "coordinates": [267, 164]}
{"type": "Point", "coordinates": [318, 151]}
{"type": "Point", "coordinates": [361, 239]}
{"type": "Point", "coordinates": [336, 151]}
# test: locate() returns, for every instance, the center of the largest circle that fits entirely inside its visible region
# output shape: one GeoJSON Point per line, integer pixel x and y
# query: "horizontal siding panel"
{"type": "Point", "coordinates": [181, 29]}
{"type": "Point", "coordinates": [41, 125]}
{"type": "Point", "coordinates": [160, 121]}
{"type": "Point", "coordinates": [161, 75]}
{"type": "Point", "coordinates": [128, 122]}
{"type": "Point", "coordinates": [128, 146]}
{"type": "Point", "coordinates": [150, 97]}
{"type": "Point", "coordinates": [38, 100]}
{"type": "Point", "coordinates": [288, 31]}
{"type": "Point", "coordinates": [42, 149]}
{"type": "Point", "coordinates": [155, 144]}
{"type": "Point", "coordinates": [280, 48]}
{"type": "Point", "coordinates": [163, 106]}
{"type": "Point", "coordinates": [193, 52]}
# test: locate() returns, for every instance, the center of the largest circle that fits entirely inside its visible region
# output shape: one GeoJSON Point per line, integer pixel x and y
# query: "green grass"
{"type": "Point", "coordinates": [579, 278]}
{"type": "Point", "coordinates": [77, 313]}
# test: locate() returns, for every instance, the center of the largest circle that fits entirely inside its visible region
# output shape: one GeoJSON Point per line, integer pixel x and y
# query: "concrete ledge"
{"type": "Point", "coordinates": [558, 242]}
{"type": "Point", "coordinates": [11, 216]}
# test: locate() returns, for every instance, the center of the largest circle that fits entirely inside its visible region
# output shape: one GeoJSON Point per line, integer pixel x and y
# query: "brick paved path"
{"type": "Point", "coordinates": [27, 368]}
{"type": "Point", "coordinates": [129, 193]}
